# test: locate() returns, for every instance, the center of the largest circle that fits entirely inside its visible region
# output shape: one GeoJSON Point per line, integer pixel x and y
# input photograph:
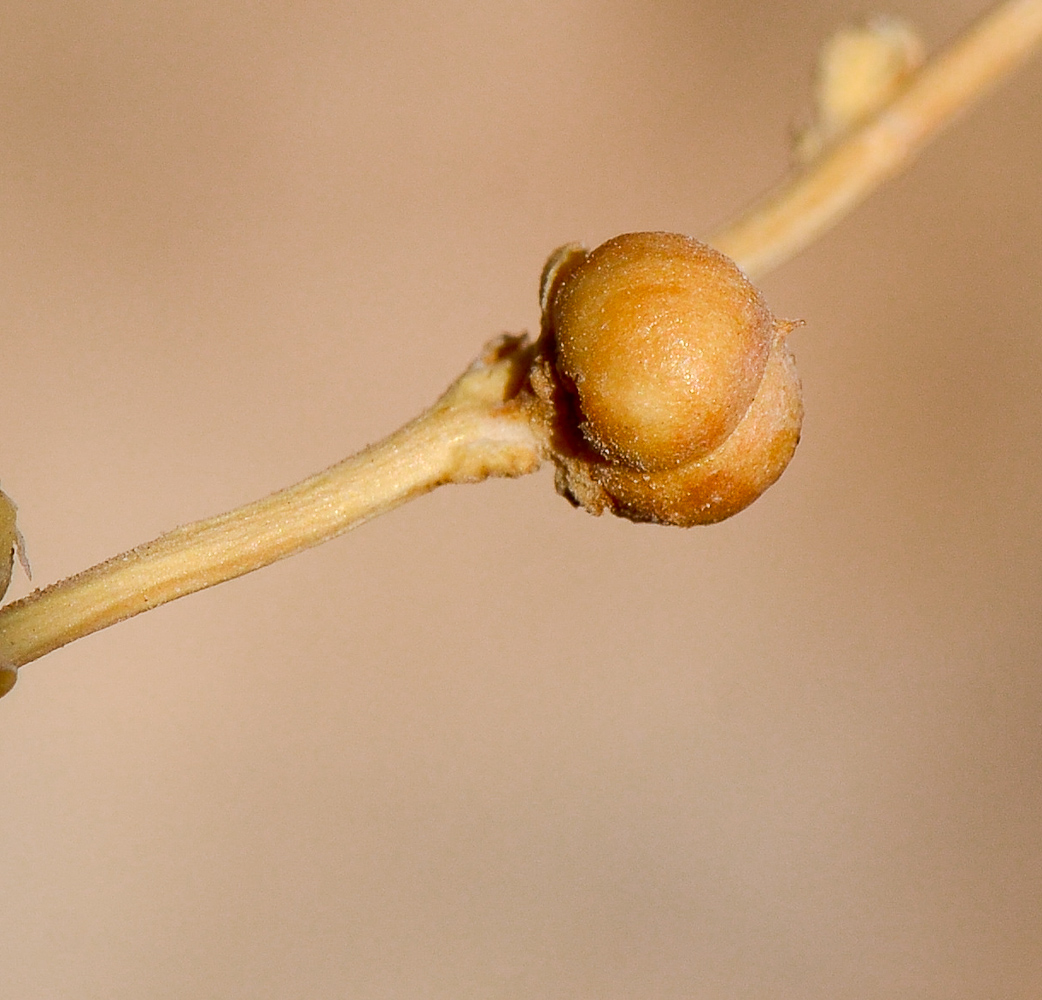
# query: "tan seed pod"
{"type": "Point", "coordinates": [662, 380]}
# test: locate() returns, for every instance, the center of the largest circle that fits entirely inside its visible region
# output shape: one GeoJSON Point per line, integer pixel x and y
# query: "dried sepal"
{"type": "Point", "coordinates": [11, 545]}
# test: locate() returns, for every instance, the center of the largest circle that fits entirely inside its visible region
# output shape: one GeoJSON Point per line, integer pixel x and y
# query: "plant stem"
{"type": "Point", "coordinates": [478, 428]}
{"type": "Point", "coordinates": [785, 221]}
{"type": "Point", "coordinates": [472, 432]}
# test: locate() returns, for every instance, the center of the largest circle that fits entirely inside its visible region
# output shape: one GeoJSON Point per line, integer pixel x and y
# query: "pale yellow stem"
{"type": "Point", "coordinates": [478, 429]}
{"type": "Point", "coordinates": [474, 431]}
{"type": "Point", "coordinates": [777, 227]}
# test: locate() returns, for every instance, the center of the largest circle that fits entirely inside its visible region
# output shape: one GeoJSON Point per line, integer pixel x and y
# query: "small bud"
{"type": "Point", "coordinates": [860, 69]}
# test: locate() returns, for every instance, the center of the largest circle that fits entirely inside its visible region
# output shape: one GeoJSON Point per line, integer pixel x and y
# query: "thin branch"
{"type": "Point", "coordinates": [790, 218]}
{"type": "Point", "coordinates": [474, 431]}
{"type": "Point", "coordinates": [478, 429]}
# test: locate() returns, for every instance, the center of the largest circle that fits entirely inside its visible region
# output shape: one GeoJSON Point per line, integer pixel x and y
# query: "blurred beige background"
{"type": "Point", "coordinates": [489, 746]}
